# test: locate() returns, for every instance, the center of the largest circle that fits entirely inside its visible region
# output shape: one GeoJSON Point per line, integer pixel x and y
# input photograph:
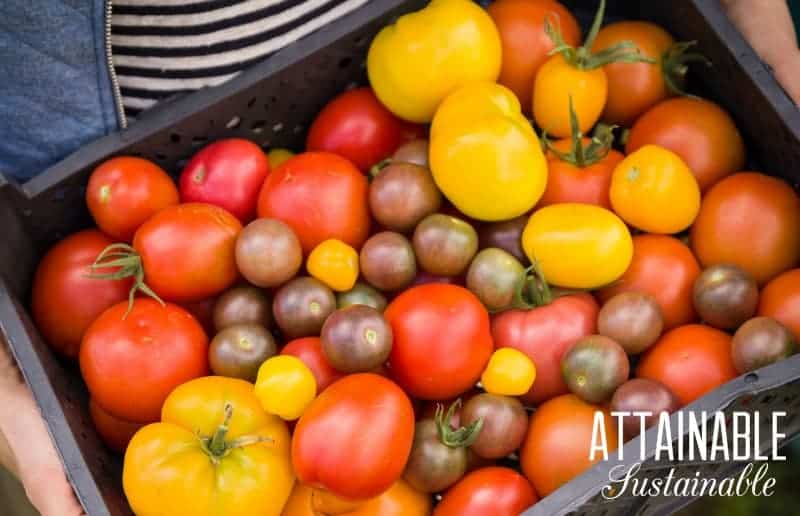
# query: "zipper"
{"type": "Point", "coordinates": [112, 73]}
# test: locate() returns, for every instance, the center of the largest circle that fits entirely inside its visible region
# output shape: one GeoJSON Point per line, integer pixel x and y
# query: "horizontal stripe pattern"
{"type": "Point", "coordinates": [162, 48]}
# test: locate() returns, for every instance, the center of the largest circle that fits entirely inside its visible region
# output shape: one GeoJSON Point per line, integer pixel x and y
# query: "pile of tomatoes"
{"type": "Point", "coordinates": [404, 310]}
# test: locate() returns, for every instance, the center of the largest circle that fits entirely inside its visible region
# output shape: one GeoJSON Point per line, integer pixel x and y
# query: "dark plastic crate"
{"type": "Point", "coordinates": [272, 105]}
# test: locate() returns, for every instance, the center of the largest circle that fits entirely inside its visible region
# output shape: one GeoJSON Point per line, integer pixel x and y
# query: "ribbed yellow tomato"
{"type": "Point", "coordinates": [578, 245]}
{"type": "Point", "coordinates": [653, 190]}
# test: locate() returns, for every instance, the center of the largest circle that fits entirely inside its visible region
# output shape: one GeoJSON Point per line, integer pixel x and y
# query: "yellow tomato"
{"type": "Point", "coordinates": [276, 157]}
{"type": "Point", "coordinates": [653, 190]}
{"type": "Point", "coordinates": [285, 386]}
{"type": "Point", "coordinates": [484, 154]}
{"type": "Point", "coordinates": [509, 373]}
{"type": "Point", "coordinates": [214, 452]}
{"type": "Point", "coordinates": [578, 245]}
{"type": "Point", "coordinates": [335, 264]}
{"type": "Point", "coordinates": [555, 83]}
{"type": "Point", "coordinates": [399, 500]}
{"type": "Point", "coordinates": [415, 63]}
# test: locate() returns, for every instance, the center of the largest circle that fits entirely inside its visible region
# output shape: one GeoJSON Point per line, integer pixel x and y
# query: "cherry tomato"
{"type": "Point", "coordinates": [320, 196]}
{"type": "Point", "coordinates": [494, 490]}
{"type": "Point", "coordinates": [665, 268]}
{"type": "Point", "coordinates": [750, 220]}
{"type": "Point", "coordinates": [509, 373]}
{"type": "Point", "coordinates": [309, 350]}
{"type": "Point", "coordinates": [355, 437]}
{"type": "Point", "coordinates": [441, 342]}
{"type": "Point", "coordinates": [355, 125]}
{"type": "Point", "coordinates": [559, 439]}
{"type": "Point", "coordinates": [335, 264]}
{"type": "Point", "coordinates": [544, 334]}
{"type": "Point", "coordinates": [227, 173]}
{"type": "Point", "coordinates": [698, 131]}
{"type": "Point", "coordinates": [65, 300]}
{"type": "Point", "coordinates": [115, 432]}
{"type": "Point", "coordinates": [132, 362]}
{"type": "Point", "coordinates": [690, 360]}
{"type": "Point", "coordinates": [780, 300]}
{"type": "Point", "coordinates": [526, 46]}
{"type": "Point", "coordinates": [124, 192]}
{"type": "Point", "coordinates": [285, 387]}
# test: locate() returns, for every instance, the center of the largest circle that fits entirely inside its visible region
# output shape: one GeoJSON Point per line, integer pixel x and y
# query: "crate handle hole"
{"type": "Point", "coordinates": [257, 127]}
{"type": "Point", "coordinates": [345, 62]}
{"type": "Point", "coordinates": [234, 122]}
{"type": "Point", "coordinates": [175, 138]}
{"type": "Point", "coordinates": [751, 378]}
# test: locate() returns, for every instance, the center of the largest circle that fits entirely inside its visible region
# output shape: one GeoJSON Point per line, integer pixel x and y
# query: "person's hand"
{"type": "Point", "coordinates": [26, 448]}
{"type": "Point", "coordinates": [767, 26]}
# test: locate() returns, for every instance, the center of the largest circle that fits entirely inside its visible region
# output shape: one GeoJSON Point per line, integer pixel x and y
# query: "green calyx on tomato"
{"type": "Point", "coordinates": [581, 155]}
{"type": "Point", "coordinates": [462, 437]}
{"type": "Point", "coordinates": [533, 291]}
{"type": "Point", "coordinates": [582, 57]}
{"type": "Point", "coordinates": [129, 265]}
{"type": "Point", "coordinates": [217, 447]}
{"type": "Point", "coordinates": [675, 64]}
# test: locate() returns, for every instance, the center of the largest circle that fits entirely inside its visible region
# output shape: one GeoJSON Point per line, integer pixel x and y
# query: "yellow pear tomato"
{"type": "Point", "coordinates": [484, 155]}
{"type": "Point", "coordinates": [653, 190]}
{"type": "Point", "coordinates": [335, 264]}
{"type": "Point", "coordinates": [285, 386]}
{"type": "Point", "coordinates": [509, 373]}
{"type": "Point", "coordinates": [578, 245]}
{"type": "Point", "coordinates": [416, 62]}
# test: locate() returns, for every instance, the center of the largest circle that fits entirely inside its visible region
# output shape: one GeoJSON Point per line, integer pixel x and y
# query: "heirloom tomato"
{"type": "Point", "coordinates": [780, 299]}
{"type": "Point", "coordinates": [494, 490]}
{"type": "Point", "coordinates": [115, 432]}
{"type": "Point", "coordinates": [399, 500]}
{"type": "Point", "coordinates": [285, 386]}
{"type": "Point", "coordinates": [335, 264]}
{"type": "Point", "coordinates": [309, 350]}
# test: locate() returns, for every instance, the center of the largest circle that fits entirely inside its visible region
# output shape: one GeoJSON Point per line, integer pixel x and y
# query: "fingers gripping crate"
{"type": "Point", "coordinates": [272, 104]}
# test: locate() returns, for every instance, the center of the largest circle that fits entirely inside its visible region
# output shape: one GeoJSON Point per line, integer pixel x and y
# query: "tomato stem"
{"type": "Point", "coordinates": [462, 437]}
{"type": "Point", "coordinates": [127, 263]}
{"type": "Point", "coordinates": [217, 447]}
{"type": "Point", "coordinates": [579, 155]}
{"type": "Point", "coordinates": [378, 167]}
{"type": "Point", "coordinates": [675, 64]}
{"type": "Point", "coordinates": [217, 443]}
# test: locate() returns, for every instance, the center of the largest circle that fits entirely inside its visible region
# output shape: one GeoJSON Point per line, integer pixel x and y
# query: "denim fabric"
{"type": "Point", "coordinates": [55, 90]}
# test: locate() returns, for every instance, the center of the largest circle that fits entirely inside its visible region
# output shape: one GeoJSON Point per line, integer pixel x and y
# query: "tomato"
{"type": "Point", "coordinates": [653, 190]}
{"type": "Point", "coordinates": [187, 252]}
{"type": "Point", "coordinates": [124, 192]}
{"type": "Point", "coordinates": [64, 300]}
{"type": "Point", "coordinates": [115, 432]}
{"type": "Point", "coordinates": [355, 438]}
{"type": "Point", "coordinates": [355, 125]}
{"type": "Point", "coordinates": [698, 131]}
{"type": "Point", "coordinates": [320, 196]}
{"type": "Point", "coordinates": [750, 220]}
{"type": "Point", "coordinates": [309, 350]}
{"type": "Point", "coordinates": [665, 268]}
{"type": "Point", "coordinates": [596, 240]}
{"type": "Point", "coordinates": [335, 264]}
{"type": "Point", "coordinates": [131, 363]}
{"type": "Point", "coordinates": [561, 429]}
{"type": "Point", "coordinates": [496, 491]}
{"type": "Point", "coordinates": [214, 452]}
{"type": "Point", "coordinates": [635, 87]}
{"type": "Point", "coordinates": [690, 360]}
{"type": "Point", "coordinates": [526, 46]}
{"type": "Point", "coordinates": [285, 386]}
{"type": "Point", "coordinates": [780, 299]}
{"type": "Point", "coordinates": [227, 173]}
{"type": "Point", "coordinates": [509, 372]}
{"type": "Point", "coordinates": [544, 334]}
{"type": "Point", "coordinates": [278, 156]}
{"type": "Point", "coordinates": [441, 340]}
{"type": "Point", "coordinates": [399, 500]}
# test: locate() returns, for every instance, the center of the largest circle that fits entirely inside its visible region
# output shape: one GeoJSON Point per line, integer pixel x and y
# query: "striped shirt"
{"type": "Point", "coordinates": [161, 48]}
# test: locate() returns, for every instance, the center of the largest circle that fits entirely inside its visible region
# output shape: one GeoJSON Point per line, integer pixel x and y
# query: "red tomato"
{"type": "Point", "coordinates": [356, 126]}
{"type": "Point", "coordinates": [691, 360]}
{"type": "Point", "coordinates": [526, 46]}
{"type": "Point", "coordinates": [665, 268]}
{"type": "Point", "coordinates": [124, 192]}
{"type": "Point", "coordinates": [494, 490]}
{"type": "Point", "coordinates": [751, 220]}
{"type": "Point", "coordinates": [441, 340]}
{"type": "Point", "coordinates": [320, 196]}
{"type": "Point", "coordinates": [544, 334]}
{"type": "Point", "coordinates": [115, 432]}
{"type": "Point", "coordinates": [355, 437]}
{"type": "Point", "coordinates": [131, 364]}
{"type": "Point", "coordinates": [780, 300]}
{"type": "Point", "coordinates": [65, 300]}
{"type": "Point", "coordinates": [227, 173]}
{"type": "Point", "coordinates": [309, 350]}
{"type": "Point", "coordinates": [698, 131]}
{"type": "Point", "coordinates": [559, 440]}
{"type": "Point", "coordinates": [188, 251]}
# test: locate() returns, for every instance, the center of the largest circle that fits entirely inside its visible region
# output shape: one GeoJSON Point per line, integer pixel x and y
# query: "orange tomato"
{"type": "Point", "coordinates": [751, 220]}
{"type": "Point", "coordinates": [698, 131]}
{"type": "Point", "coordinates": [562, 428]}
{"type": "Point", "coordinates": [780, 300]}
{"type": "Point", "coordinates": [399, 500]}
{"type": "Point", "coordinates": [526, 46]}
{"type": "Point", "coordinates": [665, 268]}
{"type": "Point", "coordinates": [634, 87]}
{"type": "Point", "coordinates": [691, 360]}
